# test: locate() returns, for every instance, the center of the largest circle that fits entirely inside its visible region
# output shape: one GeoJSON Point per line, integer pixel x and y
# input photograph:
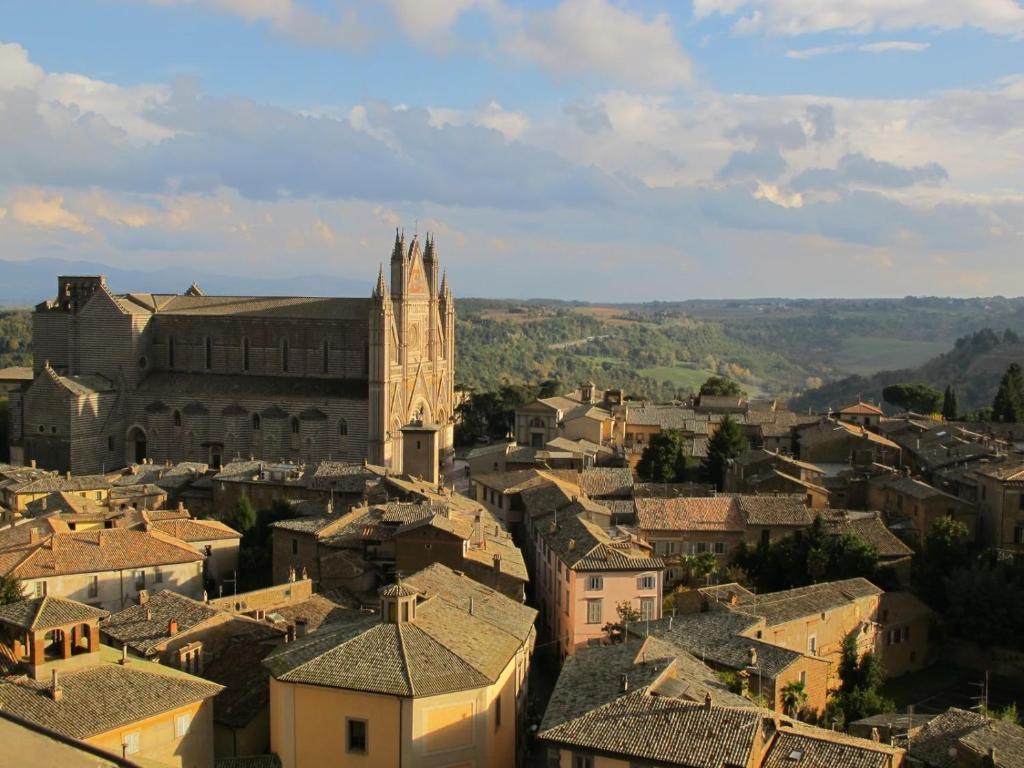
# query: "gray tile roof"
{"type": "Point", "coordinates": [48, 612]}
{"type": "Point", "coordinates": [959, 730]}
{"type": "Point", "coordinates": [782, 509]}
{"type": "Point", "coordinates": [586, 546]}
{"type": "Point", "coordinates": [666, 731]}
{"type": "Point", "coordinates": [869, 528]}
{"type": "Point", "coordinates": [103, 697]}
{"type": "Point", "coordinates": [716, 636]}
{"type": "Point", "coordinates": [445, 648]}
{"type": "Point", "coordinates": [239, 668]}
{"type": "Point", "coordinates": [787, 605]}
{"type": "Point", "coordinates": [143, 627]}
{"type": "Point", "coordinates": [803, 747]}
{"type": "Point", "coordinates": [607, 481]}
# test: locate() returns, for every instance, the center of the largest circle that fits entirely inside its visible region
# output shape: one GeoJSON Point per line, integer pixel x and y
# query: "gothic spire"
{"type": "Point", "coordinates": [445, 290]}
{"type": "Point", "coordinates": [381, 290]}
{"type": "Point", "coordinates": [428, 249]}
{"type": "Point", "coordinates": [398, 254]}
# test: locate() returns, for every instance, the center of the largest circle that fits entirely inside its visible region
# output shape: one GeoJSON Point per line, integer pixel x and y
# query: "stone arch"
{"type": "Point", "coordinates": [136, 448]}
{"type": "Point", "coordinates": [420, 409]}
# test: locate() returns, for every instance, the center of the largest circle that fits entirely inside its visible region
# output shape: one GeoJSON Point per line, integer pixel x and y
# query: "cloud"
{"type": "Point", "coordinates": [16, 71]}
{"type": "Point", "coordinates": [34, 208]}
{"type": "Point", "coordinates": [879, 47]}
{"type": "Point", "coordinates": [511, 125]}
{"type": "Point", "coordinates": [424, 20]}
{"type": "Point", "coordinates": [857, 169]}
{"type": "Point", "coordinates": [589, 118]}
{"type": "Point", "coordinates": [596, 37]}
{"type": "Point", "coordinates": [292, 21]}
{"type": "Point", "coordinates": [771, 137]}
{"type": "Point", "coordinates": [765, 161]}
{"type": "Point", "coordinates": [799, 17]}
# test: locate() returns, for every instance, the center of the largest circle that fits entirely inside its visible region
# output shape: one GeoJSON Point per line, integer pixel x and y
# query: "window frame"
{"type": "Point", "coordinates": [593, 602]}
{"type": "Point", "coordinates": [179, 729]}
{"type": "Point", "coordinates": [355, 750]}
{"type": "Point", "coordinates": [595, 583]}
{"type": "Point", "coordinates": [132, 742]}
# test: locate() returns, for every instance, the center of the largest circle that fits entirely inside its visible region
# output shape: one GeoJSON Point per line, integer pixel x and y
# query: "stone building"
{"type": "Point", "coordinates": [119, 378]}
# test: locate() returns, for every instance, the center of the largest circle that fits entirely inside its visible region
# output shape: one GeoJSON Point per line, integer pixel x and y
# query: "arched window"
{"type": "Point", "coordinates": [245, 354]}
{"type": "Point", "coordinates": [177, 418]}
{"type": "Point", "coordinates": [326, 355]}
{"type": "Point", "coordinates": [284, 355]}
{"type": "Point", "coordinates": [343, 428]}
{"type": "Point", "coordinates": [170, 352]}
{"type": "Point", "coordinates": [209, 353]}
{"type": "Point", "coordinates": [295, 426]}
{"type": "Point", "coordinates": [255, 421]}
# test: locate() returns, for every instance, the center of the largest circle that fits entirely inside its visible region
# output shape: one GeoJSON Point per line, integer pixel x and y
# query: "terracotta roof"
{"type": "Point", "coordinates": [445, 648]}
{"type": "Point", "coordinates": [585, 546]}
{"type": "Point", "coordinates": [48, 612]}
{"type": "Point", "coordinates": [196, 530]}
{"type": "Point", "coordinates": [52, 483]}
{"type": "Point", "coordinates": [319, 609]}
{"type": "Point", "coordinates": [719, 513]}
{"type": "Point", "coordinates": [862, 409]}
{"type": "Point", "coordinates": [111, 549]}
{"type": "Point", "coordinates": [1010, 470]}
{"type": "Point", "coordinates": [781, 509]}
{"type": "Point", "coordinates": [130, 693]}
{"type": "Point", "coordinates": [940, 736]}
{"type": "Point", "coordinates": [607, 481]}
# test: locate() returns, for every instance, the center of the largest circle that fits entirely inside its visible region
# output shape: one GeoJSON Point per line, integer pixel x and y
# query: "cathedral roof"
{"type": "Point", "coordinates": [299, 307]}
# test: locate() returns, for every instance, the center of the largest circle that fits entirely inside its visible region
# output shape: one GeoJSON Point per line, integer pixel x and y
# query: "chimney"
{"type": "Point", "coordinates": [874, 734]}
{"type": "Point", "coordinates": [56, 693]}
{"type": "Point", "coordinates": [143, 599]}
{"type": "Point", "coordinates": [289, 633]}
{"type": "Point", "coordinates": [300, 628]}
{"type": "Point", "coordinates": [32, 464]}
{"type": "Point", "coordinates": [181, 506]}
{"type": "Point", "coordinates": [572, 544]}
{"type": "Point", "coordinates": [497, 564]}
{"type": "Point", "coordinates": [33, 535]}
{"type": "Point", "coordinates": [149, 615]}
{"type": "Point", "coordinates": [42, 503]}
{"type": "Point", "coordinates": [67, 475]}
{"type": "Point", "coordinates": [172, 627]}
{"type": "Point", "coordinates": [472, 606]}
{"type": "Point", "coordinates": [752, 653]}
{"type": "Point", "coordinates": [624, 682]}
{"type": "Point", "coordinates": [732, 598]}
{"type": "Point", "coordinates": [124, 654]}
{"type": "Point", "coordinates": [707, 701]}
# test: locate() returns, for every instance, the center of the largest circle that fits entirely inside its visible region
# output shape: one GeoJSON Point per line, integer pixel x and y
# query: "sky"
{"type": "Point", "coordinates": [602, 150]}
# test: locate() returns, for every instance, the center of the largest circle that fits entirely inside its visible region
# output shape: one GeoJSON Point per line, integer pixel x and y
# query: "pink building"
{"type": "Point", "coordinates": [583, 569]}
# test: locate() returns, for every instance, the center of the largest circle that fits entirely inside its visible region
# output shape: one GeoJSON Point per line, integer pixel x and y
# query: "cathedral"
{"type": "Point", "coordinates": [120, 378]}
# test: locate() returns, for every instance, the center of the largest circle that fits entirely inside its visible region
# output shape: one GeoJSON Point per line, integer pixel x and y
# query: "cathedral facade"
{"type": "Point", "coordinates": [119, 378]}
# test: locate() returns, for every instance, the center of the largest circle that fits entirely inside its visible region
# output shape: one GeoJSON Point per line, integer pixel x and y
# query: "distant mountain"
{"type": "Point", "coordinates": [26, 283]}
{"type": "Point", "coordinates": [974, 367]}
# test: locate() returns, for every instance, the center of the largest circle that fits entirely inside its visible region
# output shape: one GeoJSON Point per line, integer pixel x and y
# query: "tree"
{"type": "Point", "coordinates": [10, 590]}
{"type": "Point", "coordinates": [727, 443]}
{"type": "Point", "coordinates": [664, 457]}
{"type": "Point", "coordinates": [794, 697]}
{"type": "Point", "coordinates": [946, 550]}
{"type": "Point", "coordinates": [919, 398]}
{"type": "Point", "coordinates": [861, 679]}
{"type": "Point", "coordinates": [1008, 405]}
{"type": "Point", "coordinates": [949, 405]}
{"type": "Point", "coordinates": [243, 516]}
{"type": "Point", "coordinates": [627, 615]}
{"type": "Point", "coordinates": [720, 386]}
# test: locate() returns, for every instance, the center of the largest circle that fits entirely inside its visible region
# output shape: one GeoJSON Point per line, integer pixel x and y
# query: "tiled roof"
{"type": "Point", "coordinates": [319, 609]}
{"type": "Point", "coordinates": [1010, 470]}
{"type": "Point", "coordinates": [720, 513]}
{"type": "Point", "coordinates": [52, 483]}
{"type": "Point", "coordinates": [663, 416]}
{"type": "Point", "coordinates": [912, 487]}
{"type": "Point", "coordinates": [445, 648]}
{"type": "Point", "coordinates": [1007, 739]}
{"type": "Point", "coordinates": [42, 613]}
{"type": "Point", "coordinates": [862, 409]}
{"type": "Point", "coordinates": [344, 477]}
{"type": "Point", "coordinates": [197, 530]}
{"type": "Point", "coordinates": [607, 481]}
{"type": "Point", "coordinates": [103, 697]}
{"type": "Point", "coordinates": [144, 627]}
{"type": "Point", "coordinates": [869, 528]}
{"type": "Point", "coordinates": [803, 747]}
{"type": "Point", "coordinates": [781, 509]}
{"type": "Point", "coordinates": [933, 743]}
{"type": "Point", "coordinates": [666, 731]}
{"type": "Point", "coordinates": [585, 546]}
{"type": "Point", "coordinates": [592, 677]}
{"type": "Point", "coordinates": [717, 636]}
{"type": "Point", "coordinates": [310, 525]}
{"type": "Point", "coordinates": [787, 605]}
{"type": "Point", "coordinates": [94, 551]}
{"type": "Point", "coordinates": [290, 307]}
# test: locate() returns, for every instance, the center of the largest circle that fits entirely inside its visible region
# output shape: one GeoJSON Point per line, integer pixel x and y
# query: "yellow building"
{"type": "Point", "coordinates": [437, 678]}
{"type": "Point", "coordinates": [57, 674]}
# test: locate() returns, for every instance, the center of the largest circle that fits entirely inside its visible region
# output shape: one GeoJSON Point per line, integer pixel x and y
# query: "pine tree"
{"type": "Point", "coordinates": [727, 443]}
{"type": "Point", "coordinates": [1008, 405]}
{"type": "Point", "coordinates": [950, 410]}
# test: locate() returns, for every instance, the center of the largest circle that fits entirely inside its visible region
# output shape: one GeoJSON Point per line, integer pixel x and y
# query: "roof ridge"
{"type": "Point", "coordinates": [406, 669]}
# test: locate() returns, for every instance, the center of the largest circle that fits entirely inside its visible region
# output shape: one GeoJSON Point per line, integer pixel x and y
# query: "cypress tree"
{"type": "Point", "coordinates": [1008, 405]}
{"type": "Point", "coordinates": [950, 411]}
{"type": "Point", "coordinates": [727, 443]}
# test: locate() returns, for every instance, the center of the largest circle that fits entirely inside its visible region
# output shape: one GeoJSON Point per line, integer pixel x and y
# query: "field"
{"type": "Point", "coordinates": [865, 355]}
{"type": "Point", "coordinates": [680, 376]}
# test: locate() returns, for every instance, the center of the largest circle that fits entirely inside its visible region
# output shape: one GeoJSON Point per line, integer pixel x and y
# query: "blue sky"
{"type": "Point", "coordinates": [592, 149]}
